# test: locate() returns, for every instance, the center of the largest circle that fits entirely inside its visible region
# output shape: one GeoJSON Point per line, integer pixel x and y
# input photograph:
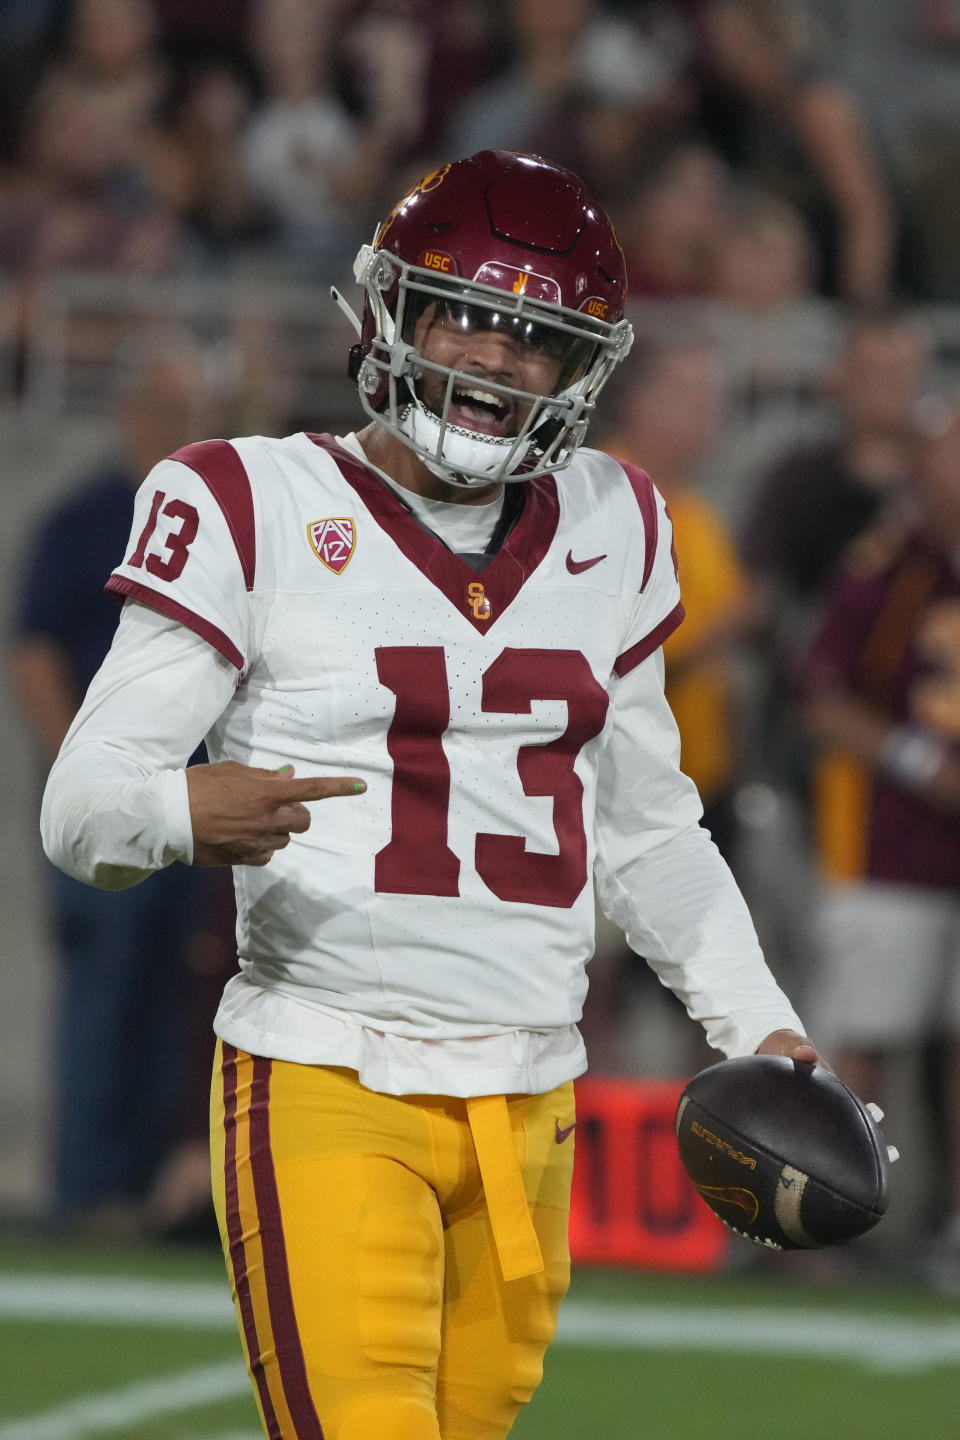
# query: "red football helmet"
{"type": "Point", "coordinates": [500, 241]}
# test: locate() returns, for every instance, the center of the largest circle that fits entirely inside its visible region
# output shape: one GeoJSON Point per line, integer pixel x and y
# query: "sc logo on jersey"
{"type": "Point", "coordinates": [333, 542]}
{"type": "Point", "coordinates": [478, 602]}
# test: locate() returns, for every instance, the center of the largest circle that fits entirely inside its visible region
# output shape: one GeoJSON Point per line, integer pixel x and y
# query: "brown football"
{"type": "Point", "coordinates": [785, 1153]}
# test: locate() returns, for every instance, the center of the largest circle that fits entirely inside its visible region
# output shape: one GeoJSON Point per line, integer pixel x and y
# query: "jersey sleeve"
{"type": "Point", "coordinates": [663, 881]}
{"type": "Point", "coordinates": [657, 608]}
{"type": "Point", "coordinates": [192, 548]}
{"type": "Point", "coordinates": [115, 806]}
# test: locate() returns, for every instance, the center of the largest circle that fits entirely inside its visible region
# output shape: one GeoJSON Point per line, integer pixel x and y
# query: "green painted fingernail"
{"type": "Point", "coordinates": [359, 786]}
{"type": "Point", "coordinates": [285, 770]}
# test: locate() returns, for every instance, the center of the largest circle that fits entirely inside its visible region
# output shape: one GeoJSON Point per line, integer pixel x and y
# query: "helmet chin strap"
{"type": "Point", "coordinates": [347, 308]}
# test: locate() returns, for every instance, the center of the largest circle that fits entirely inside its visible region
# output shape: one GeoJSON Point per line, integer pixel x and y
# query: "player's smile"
{"type": "Point", "coordinates": [465, 341]}
{"type": "Point", "coordinates": [475, 408]}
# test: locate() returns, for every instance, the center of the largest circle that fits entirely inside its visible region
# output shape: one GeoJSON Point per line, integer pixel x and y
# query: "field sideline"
{"type": "Point", "coordinates": [138, 1344]}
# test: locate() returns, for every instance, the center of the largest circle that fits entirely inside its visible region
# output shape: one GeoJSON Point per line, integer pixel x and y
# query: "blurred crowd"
{"type": "Point", "coordinates": [782, 177]}
{"type": "Point", "coordinates": [745, 148]}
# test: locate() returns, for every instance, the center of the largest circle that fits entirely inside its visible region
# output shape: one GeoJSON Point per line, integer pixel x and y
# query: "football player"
{"type": "Point", "coordinates": [446, 628]}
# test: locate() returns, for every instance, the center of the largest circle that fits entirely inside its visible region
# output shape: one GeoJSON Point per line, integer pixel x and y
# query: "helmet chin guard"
{"type": "Point", "coordinates": [501, 242]}
{"type": "Point", "coordinates": [459, 456]}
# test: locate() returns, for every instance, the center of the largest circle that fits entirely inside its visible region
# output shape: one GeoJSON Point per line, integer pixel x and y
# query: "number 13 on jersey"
{"type": "Point", "coordinates": [418, 859]}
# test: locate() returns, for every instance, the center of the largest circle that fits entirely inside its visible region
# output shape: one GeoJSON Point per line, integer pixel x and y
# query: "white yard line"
{"type": "Point", "coordinates": [899, 1342]}
{"type": "Point", "coordinates": [879, 1342]}
{"type": "Point", "coordinates": [888, 1342]}
{"type": "Point", "coordinates": [130, 1405]}
{"type": "Point", "coordinates": [96, 1300]}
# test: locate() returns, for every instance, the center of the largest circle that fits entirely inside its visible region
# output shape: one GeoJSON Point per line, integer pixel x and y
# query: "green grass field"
{"type": "Point", "coordinates": [139, 1345]}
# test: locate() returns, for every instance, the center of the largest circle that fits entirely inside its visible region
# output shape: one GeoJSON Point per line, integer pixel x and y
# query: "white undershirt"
{"type": "Point", "coordinates": [465, 528]}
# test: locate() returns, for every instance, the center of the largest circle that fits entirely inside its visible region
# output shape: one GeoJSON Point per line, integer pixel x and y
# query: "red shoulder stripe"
{"type": "Point", "coordinates": [642, 487]}
{"type": "Point", "coordinates": [222, 471]}
{"type": "Point", "coordinates": [631, 658]}
{"type": "Point", "coordinates": [120, 586]}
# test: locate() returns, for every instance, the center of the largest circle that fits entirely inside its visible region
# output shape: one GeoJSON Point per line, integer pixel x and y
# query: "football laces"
{"type": "Point", "coordinates": [763, 1240]}
{"type": "Point", "coordinates": [893, 1154]}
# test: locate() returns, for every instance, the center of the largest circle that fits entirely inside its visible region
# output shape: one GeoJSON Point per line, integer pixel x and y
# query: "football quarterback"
{"type": "Point", "coordinates": [445, 627]}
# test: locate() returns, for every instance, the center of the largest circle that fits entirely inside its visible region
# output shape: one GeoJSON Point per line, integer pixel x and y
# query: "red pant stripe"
{"type": "Point", "coordinates": [238, 1258]}
{"type": "Point", "coordinates": [283, 1319]}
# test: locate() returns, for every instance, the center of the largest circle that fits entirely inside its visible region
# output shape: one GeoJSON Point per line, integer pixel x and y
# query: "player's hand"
{"type": "Point", "coordinates": [241, 815]}
{"type": "Point", "coordinates": [794, 1046]}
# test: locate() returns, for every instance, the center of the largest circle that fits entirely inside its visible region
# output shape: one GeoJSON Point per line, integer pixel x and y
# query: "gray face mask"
{"type": "Point", "coordinates": [394, 373]}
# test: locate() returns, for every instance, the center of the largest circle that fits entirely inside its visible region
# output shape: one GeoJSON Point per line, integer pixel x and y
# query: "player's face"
{"type": "Point", "coordinates": [490, 347]}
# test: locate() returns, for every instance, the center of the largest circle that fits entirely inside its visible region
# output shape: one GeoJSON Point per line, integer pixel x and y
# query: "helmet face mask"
{"type": "Point", "coordinates": [490, 277]}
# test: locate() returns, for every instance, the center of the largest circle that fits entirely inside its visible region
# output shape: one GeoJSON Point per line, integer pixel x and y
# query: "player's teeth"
{"type": "Point", "coordinates": [483, 395]}
{"type": "Point", "coordinates": [892, 1153]}
{"type": "Point", "coordinates": [875, 1111]}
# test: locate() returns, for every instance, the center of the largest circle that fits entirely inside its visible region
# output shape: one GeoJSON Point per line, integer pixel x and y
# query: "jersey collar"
{"type": "Point", "coordinates": [500, 580]}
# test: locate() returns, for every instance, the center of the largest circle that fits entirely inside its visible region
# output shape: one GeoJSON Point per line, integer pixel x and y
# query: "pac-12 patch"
{"type": "Point", "coordinates": [333, 542]}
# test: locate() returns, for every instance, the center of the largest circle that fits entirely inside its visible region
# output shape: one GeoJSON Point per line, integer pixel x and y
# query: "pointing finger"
{"type": "Point", "coordinates": [317, 787]}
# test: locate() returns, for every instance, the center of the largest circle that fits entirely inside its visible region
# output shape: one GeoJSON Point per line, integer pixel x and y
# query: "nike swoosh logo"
{"type": "Point", "coordinates": [577, 567]}
{"type": "Point", "coordinates": [565, 1132]}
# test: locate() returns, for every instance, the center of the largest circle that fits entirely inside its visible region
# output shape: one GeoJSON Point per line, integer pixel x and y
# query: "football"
{"type": "Point", "coordinates": [784, 1152]}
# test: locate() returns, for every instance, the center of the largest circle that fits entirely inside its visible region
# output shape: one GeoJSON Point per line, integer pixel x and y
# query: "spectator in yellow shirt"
{"type": "Point", "coordinates": [667, 423]}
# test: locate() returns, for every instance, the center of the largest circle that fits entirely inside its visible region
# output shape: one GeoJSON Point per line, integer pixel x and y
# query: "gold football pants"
{"type": "Point", "coordinates": [367, 1238]}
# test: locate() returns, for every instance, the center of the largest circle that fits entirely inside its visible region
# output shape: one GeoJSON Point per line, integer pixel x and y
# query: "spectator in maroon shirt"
{"type": "Point", "coordinates": [880, 682]}
{"type": "Point", "coordinates": [818, 497]}
{"type": "Point", "coordinates": [821, 496]}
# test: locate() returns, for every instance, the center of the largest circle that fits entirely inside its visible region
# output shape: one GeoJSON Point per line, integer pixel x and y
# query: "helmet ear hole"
{"type": "Point", "coordinates": [549, 431]}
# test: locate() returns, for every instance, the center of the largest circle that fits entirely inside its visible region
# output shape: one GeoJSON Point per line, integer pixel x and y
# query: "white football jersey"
{"type": "Point", "coordinates": [452, 899]}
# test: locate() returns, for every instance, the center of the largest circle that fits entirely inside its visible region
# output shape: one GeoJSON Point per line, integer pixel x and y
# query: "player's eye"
{"type": "Point", "coordinates": [541, 337]}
